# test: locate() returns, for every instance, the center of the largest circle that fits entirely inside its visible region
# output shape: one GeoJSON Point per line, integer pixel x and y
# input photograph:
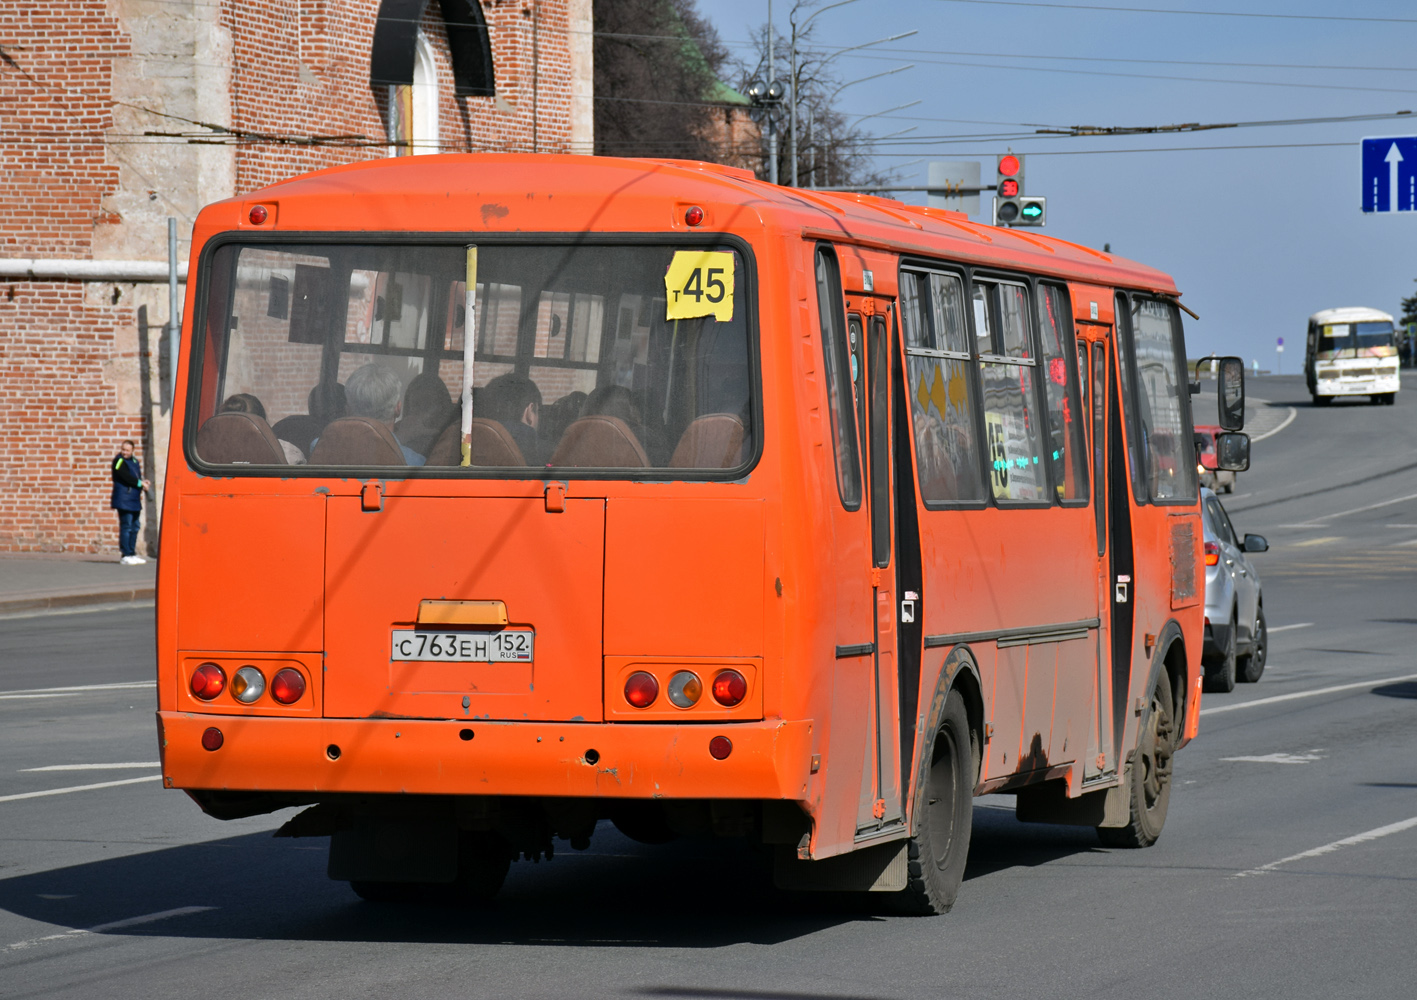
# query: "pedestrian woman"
{"type": "Point", "coordinates": [128, 487]}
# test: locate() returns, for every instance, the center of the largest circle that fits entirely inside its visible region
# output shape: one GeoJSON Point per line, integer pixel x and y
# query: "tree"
{"type": "Point", "coordinates": [831, 151]}
{"type": "Point", "coordinates": [1409, 309]}
{"type": "Point", "coordinates": [656, 68]}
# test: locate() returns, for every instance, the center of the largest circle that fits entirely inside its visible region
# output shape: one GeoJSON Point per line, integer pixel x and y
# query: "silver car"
{"type": "Point", "coordinates": [1236, 640]}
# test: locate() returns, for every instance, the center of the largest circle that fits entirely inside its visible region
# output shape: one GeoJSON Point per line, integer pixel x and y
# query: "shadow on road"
{"type": "Point", "coordinates": [691, 894]}
{"type": "Point", "coordinates": [1404, 689]}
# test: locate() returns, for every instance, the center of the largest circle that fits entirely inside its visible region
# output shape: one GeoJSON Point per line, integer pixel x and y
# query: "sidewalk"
{"type": "Point", "coordinates": [32, 582]}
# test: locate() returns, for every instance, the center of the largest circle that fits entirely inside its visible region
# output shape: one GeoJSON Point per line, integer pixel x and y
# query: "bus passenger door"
{"type": "Point", "coordinates": [1101, 759]}
{"type": "Point", "coordinates": [880, 803]}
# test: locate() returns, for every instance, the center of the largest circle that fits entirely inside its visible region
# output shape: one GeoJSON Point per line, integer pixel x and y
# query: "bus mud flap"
{"type": "Point", "coordinates": [878, 868]}
{"type": "Point", "coordinates": [1048, 803]}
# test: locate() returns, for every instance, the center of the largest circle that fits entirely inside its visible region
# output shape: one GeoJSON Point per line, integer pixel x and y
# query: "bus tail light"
{"type": "Point", "coordinates": [287, 686]}
{"type": "Point", "coordinates": [248, 685]}
{"type": "Point", "coordinates": [208, 681]}
{"type": "Point", "coordinates": [729, 688]}
{"type": "Point", "coordinates": [685, 688]}
{"type": "Point", "coordinates": [1212, 553]}
{"type": "Point", "coordinates": [641, 689]}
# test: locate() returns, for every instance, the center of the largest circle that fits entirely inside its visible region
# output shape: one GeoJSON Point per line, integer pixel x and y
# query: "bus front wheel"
{"type": "Point", "coordinates": [1150, 791]}
{"type": "Point", "coordinates": [944, 816]}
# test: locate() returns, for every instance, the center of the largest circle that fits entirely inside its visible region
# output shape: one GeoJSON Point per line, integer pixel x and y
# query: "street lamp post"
{"type": "Point", "coordinates": [792, 77]}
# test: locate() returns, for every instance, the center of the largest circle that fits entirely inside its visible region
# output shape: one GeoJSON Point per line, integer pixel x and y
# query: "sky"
{"type": "Point", "coordinates": [1257, 239]}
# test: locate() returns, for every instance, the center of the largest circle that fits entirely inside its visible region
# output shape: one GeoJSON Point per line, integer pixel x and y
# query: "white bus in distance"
{"type": "Point", "coordinates": [1351, 352]}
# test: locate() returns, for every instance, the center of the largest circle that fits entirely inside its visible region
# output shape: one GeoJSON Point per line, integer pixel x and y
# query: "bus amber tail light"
{"type": "Point", "coordinates": [208, 681]}
{"type": "Point", "coordinates": [1212, 553]}
{"type": "Point", "coordinates": [729, 688]}
{"type": "Point", "coordinates": [641, 688]}
{"type": "Point", "coordinates": [287, 686]}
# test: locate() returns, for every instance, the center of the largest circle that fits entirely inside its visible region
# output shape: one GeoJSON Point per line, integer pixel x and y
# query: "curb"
{"type": "Point", "coordinates": [40, 602]}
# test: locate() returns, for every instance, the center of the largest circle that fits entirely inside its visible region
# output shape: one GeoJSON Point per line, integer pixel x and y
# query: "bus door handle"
{"type": "Point", "coordinates": [1123, 585]}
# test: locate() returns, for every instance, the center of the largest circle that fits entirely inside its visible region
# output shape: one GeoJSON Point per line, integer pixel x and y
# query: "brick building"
{"type": "Point", "coordinates": [116, 115]}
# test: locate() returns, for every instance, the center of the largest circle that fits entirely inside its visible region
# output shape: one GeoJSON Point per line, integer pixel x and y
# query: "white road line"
{"type": "Point", "coordinates": [1279, 758]}
{"type": "Point", "coordinates": [1287, 421]}
{"type": "Point", "coordinates": [78, 788]}
{"type": "Point", "coordinates": [116, 925]}
{"type": "Point", "coordinates": [1359, 510]}
{"type": "Point", "coordinates": [1357, 838]}
{"type": "Point", "coordinates": [1286, 628]}
{"type": "Point", "coordinates": [70, 692]}
{"type": "Point", "coordinates": [91, 767]}
{"type": "Point", "coordinates": [1307, 694]}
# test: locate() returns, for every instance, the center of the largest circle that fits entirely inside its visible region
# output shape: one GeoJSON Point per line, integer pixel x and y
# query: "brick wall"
{"type": "Point", "coordinates": [79, 178]}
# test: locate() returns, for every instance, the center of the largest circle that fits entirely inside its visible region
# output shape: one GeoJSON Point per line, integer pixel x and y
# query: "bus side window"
{"type": "Point", "coordinates": [1011, 426]}
{"type": "Point", "coordinates": [840, 403]}
{"type": "Point", "coordinates": [940, 386]}
{"type": "Point", "coordinates": [1067, 453]}
{"type": "Point", "coordinates": [1168, 459]}
{"type": "Point", "coordinates": [1136, 438]}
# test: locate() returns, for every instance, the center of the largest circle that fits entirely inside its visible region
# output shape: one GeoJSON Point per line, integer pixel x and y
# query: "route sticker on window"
{"type": "Point", "coordinates": [699, 283]}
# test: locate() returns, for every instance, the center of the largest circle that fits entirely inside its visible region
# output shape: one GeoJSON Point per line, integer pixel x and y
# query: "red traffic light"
{"type": "Point", "coordinates": [1008, 167]}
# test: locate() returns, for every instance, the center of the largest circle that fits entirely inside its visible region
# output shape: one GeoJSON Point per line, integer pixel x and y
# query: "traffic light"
{"type": "Point", "coordinates": [1007, 209]}
{"type": "Point", "coordinates": [1032, 211]}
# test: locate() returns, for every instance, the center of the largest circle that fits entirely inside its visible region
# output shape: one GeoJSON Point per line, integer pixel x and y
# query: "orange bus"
{"type": "Point", "coordinates": [510, 494]}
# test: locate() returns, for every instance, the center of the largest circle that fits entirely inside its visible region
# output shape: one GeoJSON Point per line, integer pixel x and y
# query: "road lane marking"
{"type": "Point", "coordinates": [1307, 694]}
{"type": "Point", "coordinates": [1357, 838]}
{"type": "Point", "coordinates": [70, 692]}
{"type": "Point", "coordinates": [1279, 758]}
{"type": "Point", "coordinates": [115, 925]}
{"type": "Point", "coordinates": [1286, 628]}
{"type": "Point", "coordinates": [1359, 510]}
{"type": "Point", "coordinates": [1287, 421]}
{"type": "Point", "coordinates": [78, 788]}
{"type": "Point", "coordinates": [91, 767]}
{"type": "Point", "coordinates": [1326, 540]}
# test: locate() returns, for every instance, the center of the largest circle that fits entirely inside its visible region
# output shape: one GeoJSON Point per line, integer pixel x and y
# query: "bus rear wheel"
{"type": "Point", "coordinates": [944, 814]}
{"type": "Point", "coordinates": [483, 862]}
{"type": "Point", "coordinates": [1150, 791]}
{"type": "Point", "coordinates": [1322, 400]}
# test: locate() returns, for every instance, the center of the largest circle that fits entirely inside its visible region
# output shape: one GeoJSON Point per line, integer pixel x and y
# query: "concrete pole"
{"type": "Point", "coordinates": [772, 124]}
{"type": "Point", "coordinates": [174, 311]}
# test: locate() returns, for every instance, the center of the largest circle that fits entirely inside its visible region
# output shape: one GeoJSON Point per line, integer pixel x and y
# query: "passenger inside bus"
{"type": "Point", "coordinates": [427, 409]}
{"type": "Point", "coordinates": [514, 401]}
{"type": "Point", "coordinates": [326, 402]}
{"type": "Point", "coordinates": [366, 437]}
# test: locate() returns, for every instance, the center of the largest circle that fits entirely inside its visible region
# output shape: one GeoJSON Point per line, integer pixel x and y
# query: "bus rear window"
{"type": "Point", "coordinates": [351, 356]}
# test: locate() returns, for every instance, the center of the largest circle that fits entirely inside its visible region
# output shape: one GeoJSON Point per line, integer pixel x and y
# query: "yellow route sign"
{"type": "Point", "coordinates": [699, 283]}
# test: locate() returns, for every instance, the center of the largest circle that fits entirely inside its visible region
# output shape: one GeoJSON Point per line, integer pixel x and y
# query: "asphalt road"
{"type": "Point", "coordinates": [1288, 866]}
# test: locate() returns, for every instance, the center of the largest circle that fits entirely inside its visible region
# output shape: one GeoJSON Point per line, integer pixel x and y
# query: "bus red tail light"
{"type": "Point", "coordinates": [1212, 553]}
{"type": "Point", "coordinates": [641, 689]}
{"type": "Point", "coordinates": [287, 686]}
{"type": "Point", "coordinates": [729, 688]}
{"type": "Point", "coordinates": [208, 681]}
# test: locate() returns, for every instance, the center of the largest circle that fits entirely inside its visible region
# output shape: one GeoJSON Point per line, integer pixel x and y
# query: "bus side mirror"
{"type": "Point", "coordinates": [1232, 452]}
{"type": "Point", "coordinates": [1231, 393]}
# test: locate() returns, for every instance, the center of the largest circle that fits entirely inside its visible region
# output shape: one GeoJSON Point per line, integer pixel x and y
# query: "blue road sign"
{"type": "Point", "coordinates": [1390, 174]}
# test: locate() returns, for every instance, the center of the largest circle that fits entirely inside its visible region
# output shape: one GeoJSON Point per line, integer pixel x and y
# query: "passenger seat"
{"type": "Point", "coordinates": [357, 441]}
{"type": "Point", "coordinates": [237, 438]}
{"type": "Point", "coordinates": [492, 445]}
{"type": "Point", "coordinates": [713, 441]}
{"type": "Point", "coordinates": [600, 442]}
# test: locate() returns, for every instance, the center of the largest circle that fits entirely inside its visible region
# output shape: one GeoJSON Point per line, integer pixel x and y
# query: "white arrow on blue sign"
{"type": "Point", "coordinates": [1390, 174]}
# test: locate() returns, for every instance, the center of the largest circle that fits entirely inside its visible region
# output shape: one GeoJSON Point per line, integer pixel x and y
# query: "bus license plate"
{"type": "Point", "coordinates": [507, 646]}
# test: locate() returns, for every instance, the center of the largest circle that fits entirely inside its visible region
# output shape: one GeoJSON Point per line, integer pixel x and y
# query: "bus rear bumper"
{"type": "Point", "coordinates": [768, 760]}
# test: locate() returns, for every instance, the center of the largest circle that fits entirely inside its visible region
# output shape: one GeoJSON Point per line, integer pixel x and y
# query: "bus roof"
{"type": "Point", "coordinates": [1349, 314]}
{"type": "Point", "coordinates": [512, 192]}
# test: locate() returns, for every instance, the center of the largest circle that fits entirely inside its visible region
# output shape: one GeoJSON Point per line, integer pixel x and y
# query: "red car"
{"type": "Point", "coordinates": [1219, 480]}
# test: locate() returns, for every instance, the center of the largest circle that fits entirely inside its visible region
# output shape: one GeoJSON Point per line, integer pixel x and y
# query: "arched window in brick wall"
{"type": "Point", "coordinates": [424, 103]}
{"type": "Point", "coordinates": [394, 52]}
